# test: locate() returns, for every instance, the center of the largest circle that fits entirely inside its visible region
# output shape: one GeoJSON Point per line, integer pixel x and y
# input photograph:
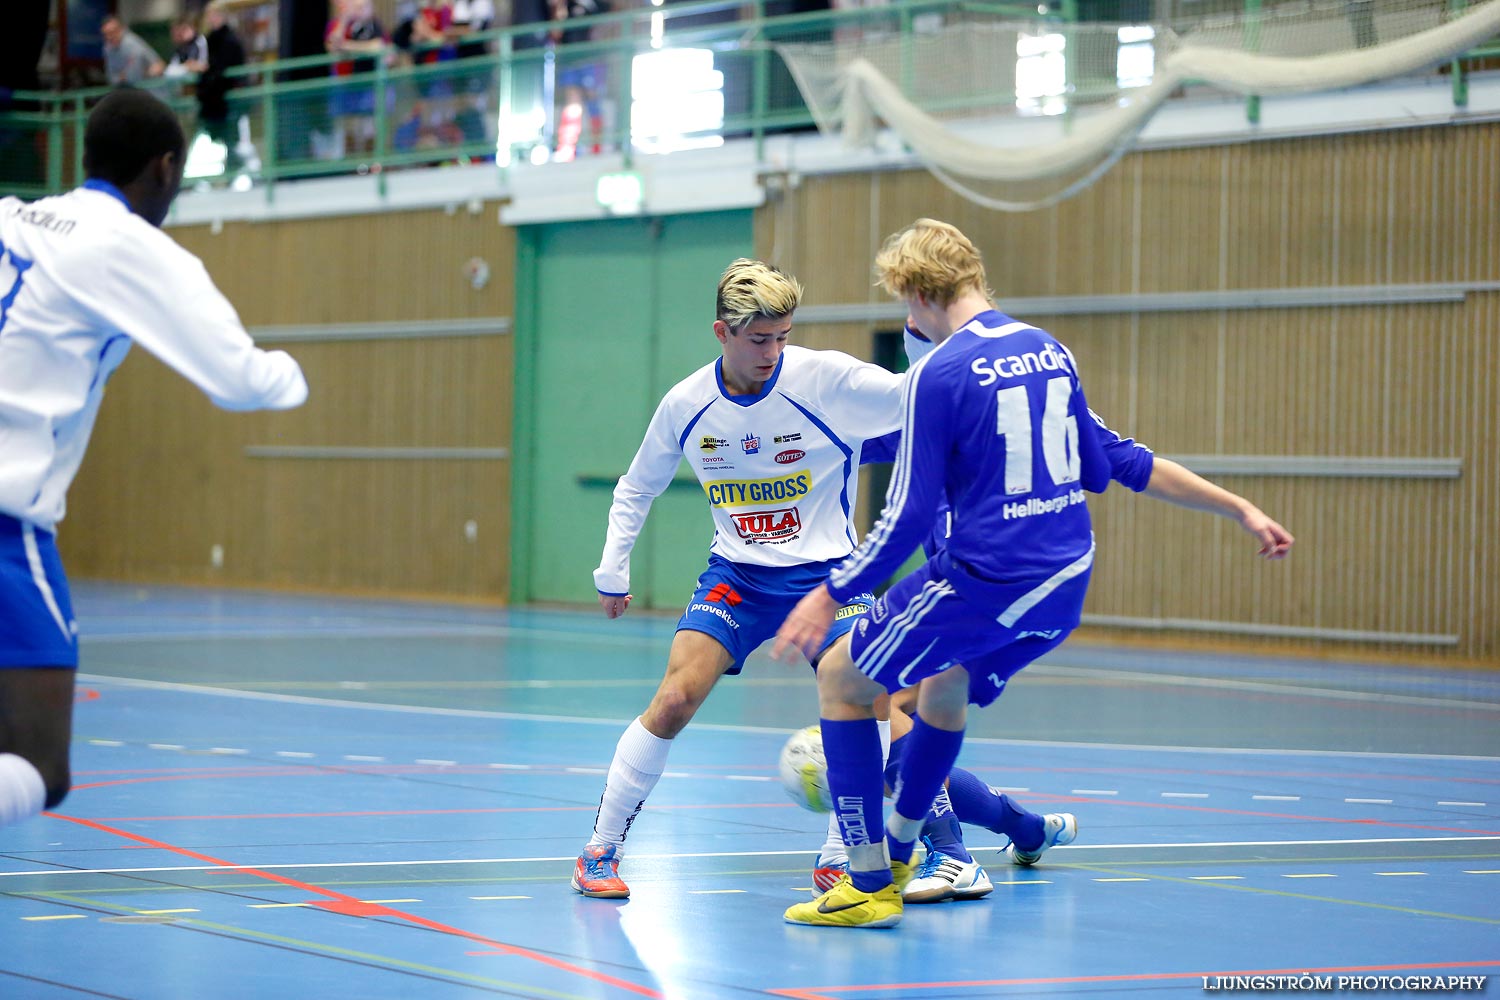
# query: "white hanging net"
{"type": "Point", "coordinates": [1075, 96]}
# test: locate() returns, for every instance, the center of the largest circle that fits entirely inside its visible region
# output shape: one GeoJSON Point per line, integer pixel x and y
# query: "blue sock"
{"type": "Point", "coordinates": [852, 750]}
{"type": "Point", "coordinates": [978, 804]}
{"type": "Point", "coordinates": [925, 762]}
{"type": "Point", "coordinates": [943, 831]}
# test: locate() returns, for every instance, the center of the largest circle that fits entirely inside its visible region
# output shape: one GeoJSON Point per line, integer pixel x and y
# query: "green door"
{"type": "Point", "coordinates": [609, 316]}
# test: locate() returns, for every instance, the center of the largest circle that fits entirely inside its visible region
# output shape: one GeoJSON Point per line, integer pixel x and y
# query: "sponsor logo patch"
{"type": "Point", "coordinates": [789, 456]}
{"type": "Point", "coordinates": [767, 525]}
{"type": "Point", "coordinates": [754, 492]}
{"type": "Point", "coordinates": [849, 611]}
{"type": "Point", "coordinates": [751, 444]}
{"type": "Point", "coordinates": [711, 443]}
{"type": "Point", "coordinates": [786, 438]}
{"type": "Point", "coordinates": [723, 592]}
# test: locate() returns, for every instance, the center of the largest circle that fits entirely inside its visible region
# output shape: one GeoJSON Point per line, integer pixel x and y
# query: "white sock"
{"type": "Point", "coordinates": [833, 845]}
{"type": "Point", "coordinates": [22, 790]}
{"type": "Point", "coordinates": [639, 761]}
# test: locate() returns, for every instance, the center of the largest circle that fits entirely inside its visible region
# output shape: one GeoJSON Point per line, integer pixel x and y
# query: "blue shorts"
{"type": "Point", "coordinates": [36, 616]}
{"type": "Point", "coordinates": [742, 605]}
{"type": "Point", "coordinates": [939, 616]}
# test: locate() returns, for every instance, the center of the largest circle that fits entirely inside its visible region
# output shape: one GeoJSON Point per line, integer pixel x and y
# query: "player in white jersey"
{"type": "Point", "coordinates": [996, 424]}
{"type": "Point", "coordinates": [774, 434]}
{"type": "Point", "coordinates": [82, 275]}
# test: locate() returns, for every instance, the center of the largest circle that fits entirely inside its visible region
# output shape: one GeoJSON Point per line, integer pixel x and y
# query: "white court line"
{"type": "Point", "coordinates": [724, 854]}
{"type": "Point", "coordinates": [295, 699]}
{"type": "Point", "coordinates": [363, 631]}
{"type": "Point", "coordinates": [459, 630]}
{"type": "Point", "coordinates": [1181, 680]}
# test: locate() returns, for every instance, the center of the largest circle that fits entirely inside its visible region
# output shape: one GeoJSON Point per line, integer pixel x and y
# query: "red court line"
{"type": "Point", "coordinates": [821, 992]}
{"type": "Point", "coordinates": [338, 902]}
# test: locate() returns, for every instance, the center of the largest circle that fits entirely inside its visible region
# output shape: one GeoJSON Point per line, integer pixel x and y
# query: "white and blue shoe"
{"type": "Point", "coordinates": [942, 876]}
{"type": "Point", "coordinates": [1059, 828]}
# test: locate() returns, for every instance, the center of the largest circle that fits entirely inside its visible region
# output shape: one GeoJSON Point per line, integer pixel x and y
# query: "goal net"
{"type": "Point", "coordinates": [1018, 114]}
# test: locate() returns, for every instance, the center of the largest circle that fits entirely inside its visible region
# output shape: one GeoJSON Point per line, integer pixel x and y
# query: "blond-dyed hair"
{"type": "Point", "coordinates": [931, 259]}
{"type": "Point", "coordinates": [751, 289]}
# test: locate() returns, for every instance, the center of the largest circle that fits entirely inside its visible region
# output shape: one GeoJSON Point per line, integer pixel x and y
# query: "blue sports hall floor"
{"type": "Point", "coordinates": [283, 797]}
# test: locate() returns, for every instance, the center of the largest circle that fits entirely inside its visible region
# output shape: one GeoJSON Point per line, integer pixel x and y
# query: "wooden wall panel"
{"type": "Point", "coordinates": [1406, 557]}
{"type": "Point", "coordinates": [352, 269]}
{"type": "Point", "coordinates": [167, 477]}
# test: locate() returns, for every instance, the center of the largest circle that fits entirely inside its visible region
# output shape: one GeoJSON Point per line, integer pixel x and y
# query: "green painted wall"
{"type": "Point", "coordinates": [609, 315]}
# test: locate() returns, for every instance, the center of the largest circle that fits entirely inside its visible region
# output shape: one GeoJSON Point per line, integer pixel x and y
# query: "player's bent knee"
{"type": "Point", "coordinates": [670, 712]}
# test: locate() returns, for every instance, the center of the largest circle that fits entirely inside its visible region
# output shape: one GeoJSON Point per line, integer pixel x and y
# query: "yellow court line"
{"type": "Point", "coordinates": [1311, 875]}
{"type": "Point", "coordinates": [61, 916]}
{"type": "Point", "coordinates": [1122, 880]}
{"type": "Point", "coordinates": [276, 906]}
{"type": "Point", "coordinates": [499, 897]}
{"type": "Point", "coordinates": [1214, 878]}
{"type": "Point", "coordinates": [158, 913]}
{"type": "Point", "coordinates": [1400, 873]}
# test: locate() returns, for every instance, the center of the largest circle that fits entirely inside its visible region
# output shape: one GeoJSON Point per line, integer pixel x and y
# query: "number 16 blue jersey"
{"type": "Point", "coordinates": [995, 420]}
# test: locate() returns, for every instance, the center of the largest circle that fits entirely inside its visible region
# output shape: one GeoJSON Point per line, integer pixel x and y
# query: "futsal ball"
{"type": "Point", "coordinates": [804, 771]}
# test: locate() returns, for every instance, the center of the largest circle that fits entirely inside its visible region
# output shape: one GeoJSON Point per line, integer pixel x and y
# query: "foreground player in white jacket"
{"type": "Point", "coordinates": [82, 275]}
{"type": "Point", "coordinates": [774, 434]}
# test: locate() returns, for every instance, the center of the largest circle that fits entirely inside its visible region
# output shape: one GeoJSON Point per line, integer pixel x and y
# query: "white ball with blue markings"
{"type": "Point", "coordinates": [804, 771]}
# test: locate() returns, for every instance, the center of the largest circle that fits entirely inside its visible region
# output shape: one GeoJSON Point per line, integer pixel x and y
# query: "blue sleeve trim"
{"type": "Point", "coordinates": [688, 430]}
{"type": "Point", "coordinates": [848, 457]}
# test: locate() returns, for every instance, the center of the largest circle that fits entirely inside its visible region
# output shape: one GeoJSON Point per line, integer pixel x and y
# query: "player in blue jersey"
{"type": "Point", "coordinates": [82, 276]}
{"type": "Point", "coordinates": [997, 423]}
{"type": "Point", "coordinates": [775, 434]}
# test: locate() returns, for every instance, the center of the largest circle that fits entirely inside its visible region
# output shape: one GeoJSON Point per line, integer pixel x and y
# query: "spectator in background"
{"type": "Point", "coordinates": [225, 52]}
{"type": "Point", "coordinates": [354, 30]}
{"type": "Point", "coordinates": [566, 10]}
{"type": "Point", "coordinates": [128, 60]}
{"type": "Point", "coordinates": [580, 111]}
{"type": "Point", "coordinates": [474, 15]}
{"type": "Point", "coordinates": [433, 32]}
{"type": "Point", "coordinates": [190, 52]}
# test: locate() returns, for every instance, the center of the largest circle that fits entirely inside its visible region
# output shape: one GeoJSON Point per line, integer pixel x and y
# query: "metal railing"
{"type": "Point", "coordinates": [512, 96]}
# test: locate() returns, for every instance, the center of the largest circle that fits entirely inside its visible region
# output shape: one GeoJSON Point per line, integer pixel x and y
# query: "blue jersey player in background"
{"type": "Point", "coordinates": [995, 422]}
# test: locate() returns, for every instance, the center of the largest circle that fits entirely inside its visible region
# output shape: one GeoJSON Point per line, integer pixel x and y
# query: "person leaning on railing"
{"type": "Point", "coordinates": [128, 59]}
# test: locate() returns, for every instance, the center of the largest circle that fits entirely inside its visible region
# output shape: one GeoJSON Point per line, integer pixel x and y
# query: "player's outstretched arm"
{"type": "Point", "coordinates": [1175, 484]}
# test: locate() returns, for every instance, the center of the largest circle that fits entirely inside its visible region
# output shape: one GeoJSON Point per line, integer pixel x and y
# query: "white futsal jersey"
{"type": "Point", "coordinates": [779, 469]}
{"type": "Point", "coordinates": [81, 277]}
